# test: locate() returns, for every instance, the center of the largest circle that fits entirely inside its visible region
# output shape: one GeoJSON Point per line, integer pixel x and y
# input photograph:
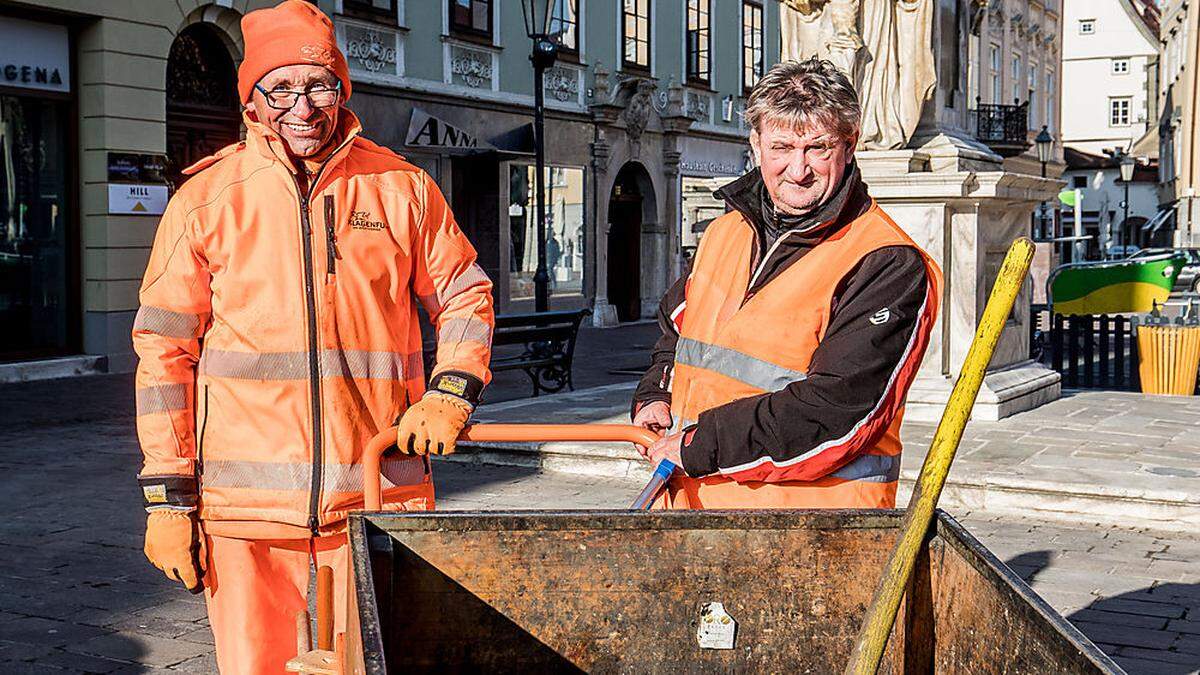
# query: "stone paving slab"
{"type": "Point", "coordinates": [1051, 461]}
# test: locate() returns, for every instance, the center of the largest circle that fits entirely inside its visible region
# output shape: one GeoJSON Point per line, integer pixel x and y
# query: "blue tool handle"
{"type": "Point", "coordinates": [662, 473]}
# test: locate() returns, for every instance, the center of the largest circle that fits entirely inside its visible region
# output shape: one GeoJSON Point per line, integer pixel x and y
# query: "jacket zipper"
{"type": "Point", "coordinates": [331, 252]}
{"type": "Point", "coordinates": [305, 193]}
{"type": "Point", "coordinates": [314, 366]}
{"type": "Point", "coordinates": [200, 442]}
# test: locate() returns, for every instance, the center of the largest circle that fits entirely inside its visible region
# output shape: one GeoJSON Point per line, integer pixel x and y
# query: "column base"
{"type": "Point", "coordinates": [604, 315]}
{"type": "Point", "coordinates": [1008, 391]}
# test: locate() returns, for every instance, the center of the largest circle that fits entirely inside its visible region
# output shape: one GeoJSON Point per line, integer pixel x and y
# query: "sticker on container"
{"type": "Point", "coordinates": [717, 629]}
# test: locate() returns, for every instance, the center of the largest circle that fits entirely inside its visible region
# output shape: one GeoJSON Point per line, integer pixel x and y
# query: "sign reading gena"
{"type": "Point", "coordinates": [34, 55]}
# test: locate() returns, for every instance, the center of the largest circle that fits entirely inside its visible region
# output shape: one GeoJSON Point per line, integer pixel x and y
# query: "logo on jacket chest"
{"type": "Point", "coordinates": [361, 220]}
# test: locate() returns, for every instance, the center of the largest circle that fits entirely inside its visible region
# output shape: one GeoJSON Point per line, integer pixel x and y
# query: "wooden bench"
{"type": "Point", "coordinates": [549, 346]}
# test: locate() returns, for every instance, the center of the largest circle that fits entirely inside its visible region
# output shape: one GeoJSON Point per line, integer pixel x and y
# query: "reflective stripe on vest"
{"type": "Point", "coordinates": [355, 364]}
{"type": "Point", "coordinates": [298, 475]}
{"type": "Point", "coordinates": [735, 365]}
{"type": "Point", "coordinates": [871, 468]}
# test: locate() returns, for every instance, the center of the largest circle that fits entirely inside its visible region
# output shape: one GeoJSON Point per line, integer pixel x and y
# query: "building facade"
{"type": "Point", "coordinates": [1110, 100]}
{"type": "Point", "coordinates": [1014, 78]}
{"type": "Point", "coordinates": [1178, 126]}
{"type": "Point", "coordinates": [103, 102]}
{"type": "Point", "coordinates": [1110, 57]}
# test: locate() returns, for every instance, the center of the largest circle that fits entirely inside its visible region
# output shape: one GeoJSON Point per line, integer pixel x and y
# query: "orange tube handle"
{"type": "Point", "coordinates": [372, 493]}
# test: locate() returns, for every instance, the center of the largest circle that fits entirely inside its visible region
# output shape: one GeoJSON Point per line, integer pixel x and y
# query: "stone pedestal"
{"type": "Point", "coordinates": [604, 314]}
{"type": "Point", "coordinates": [956, 201]}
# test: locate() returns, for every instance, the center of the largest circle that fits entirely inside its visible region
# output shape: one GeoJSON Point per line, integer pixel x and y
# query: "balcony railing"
{"type": "Point", "coordinates": [1003, 128]}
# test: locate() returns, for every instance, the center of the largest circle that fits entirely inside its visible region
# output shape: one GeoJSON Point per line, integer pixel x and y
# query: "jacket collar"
{"type": "Point", "coordinates": [268, 144]}
{"type": "Point", "coordinates": [748, 196]}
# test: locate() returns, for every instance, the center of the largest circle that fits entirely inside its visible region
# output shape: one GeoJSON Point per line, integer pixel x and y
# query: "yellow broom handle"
{"type": "Point", "coordinates": [873, 637]}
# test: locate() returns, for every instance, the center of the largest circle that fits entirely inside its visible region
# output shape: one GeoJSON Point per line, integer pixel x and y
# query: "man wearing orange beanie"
{"type": "Point", "coordinates": [278, 333]}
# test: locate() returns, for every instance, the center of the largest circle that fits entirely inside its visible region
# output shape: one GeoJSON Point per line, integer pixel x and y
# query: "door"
{"type": "Point", "coordinates": [625, 248]}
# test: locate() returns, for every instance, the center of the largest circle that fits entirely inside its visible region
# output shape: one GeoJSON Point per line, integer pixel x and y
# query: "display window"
{"type": "Point", "coordinates": [35, 286]}
{"type": "Point", "coordinates": [564, 231]}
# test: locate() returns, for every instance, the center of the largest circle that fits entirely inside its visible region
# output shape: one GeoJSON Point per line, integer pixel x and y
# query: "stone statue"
{"type": "Point", "coordinates": [890, 62]}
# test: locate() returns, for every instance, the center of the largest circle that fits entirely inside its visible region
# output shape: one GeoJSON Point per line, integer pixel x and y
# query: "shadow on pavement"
{"type": "Point", "coordinates": [453, 478]}
{"type": "Point", "coordinates": [1152, 631]}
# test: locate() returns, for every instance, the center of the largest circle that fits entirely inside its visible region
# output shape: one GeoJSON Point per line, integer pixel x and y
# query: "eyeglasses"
{"type": "Point", "coordinates": [286, 99]}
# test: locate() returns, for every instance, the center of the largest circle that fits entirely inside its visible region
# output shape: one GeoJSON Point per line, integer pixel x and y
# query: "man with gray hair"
{"type": "Point", "coordinates": [788, 350]}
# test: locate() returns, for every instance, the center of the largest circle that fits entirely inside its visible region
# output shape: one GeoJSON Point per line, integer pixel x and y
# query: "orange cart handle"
{"type": "Point", "coordinates": [372, 498]}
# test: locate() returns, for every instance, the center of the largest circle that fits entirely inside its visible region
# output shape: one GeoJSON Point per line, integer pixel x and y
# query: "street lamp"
{"type": "Point", "coordinates": [1045, 143]}
{"type": "Point", "coordinates": [1126, 165]}
{"type": "Point", "coordinates": [538, 15]}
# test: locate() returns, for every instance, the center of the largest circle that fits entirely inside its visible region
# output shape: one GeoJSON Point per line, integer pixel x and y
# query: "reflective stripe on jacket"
{"type": "Point", "coordinates": [278, 326]}
{"type": "Point", "coordinates": [732, 347]}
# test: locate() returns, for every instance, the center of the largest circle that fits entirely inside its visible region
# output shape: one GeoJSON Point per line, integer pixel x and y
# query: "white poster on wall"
{"type": "Point", "coordinates": [34, 55]}
{"type": "Point", "coordinates": [137, 199]}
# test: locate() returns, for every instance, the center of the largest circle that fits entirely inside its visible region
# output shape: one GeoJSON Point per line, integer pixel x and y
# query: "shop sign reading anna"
{"type": "Point", "coordinates": [427, 131]}
{"type": "Point", "coordinates": [34, 55]}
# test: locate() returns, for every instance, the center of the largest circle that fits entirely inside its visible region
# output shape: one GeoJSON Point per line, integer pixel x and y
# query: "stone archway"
{"type": "Point", "coordinates": [203, 113]}
{"type": "Point", "coordinates": [632, 211]}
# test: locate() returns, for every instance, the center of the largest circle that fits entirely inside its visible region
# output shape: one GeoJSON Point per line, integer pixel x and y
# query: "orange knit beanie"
{"type": "Point", "coordinates": [292, 32]}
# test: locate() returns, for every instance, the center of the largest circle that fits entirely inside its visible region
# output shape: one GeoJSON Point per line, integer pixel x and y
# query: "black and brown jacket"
{"type": "Point", "coordinates": [853, 367]}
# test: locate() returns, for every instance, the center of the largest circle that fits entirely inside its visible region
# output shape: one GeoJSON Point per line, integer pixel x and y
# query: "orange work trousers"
{"type": "Point", "coordinates": [254, 589]}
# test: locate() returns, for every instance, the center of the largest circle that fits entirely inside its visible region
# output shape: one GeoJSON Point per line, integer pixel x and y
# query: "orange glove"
{"type": "Point", "coordinates": [174, 544]}
{"type": "Point", "coordinates": [433, 424]}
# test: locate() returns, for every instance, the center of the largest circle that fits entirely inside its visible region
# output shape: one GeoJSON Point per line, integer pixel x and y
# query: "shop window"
{"type": "Point", "coordinates": [564, 25]}
{"type": "Point", "coordinates": [564, 231]}
{"type": "Point", "coordinates": [698, 33]}
{"type": "Point", "coordinates": [471, 17]}
{"type": "Point", "coordinates": [635, 34]}
{"type": "Point", "coordinates": [35, 290]}
{"type": "Point", "coordinates": [752, 43]}
{"type": "Point", "coordinates": [700, 208]}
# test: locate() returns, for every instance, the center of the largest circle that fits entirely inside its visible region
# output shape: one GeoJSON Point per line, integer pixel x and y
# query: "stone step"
{"type": "Point", "coordinates": [51, 369]}
{"type": "Point", "coordinates": [1142, 471]}
{"type": "Point", "coordinates": [1041, 499]}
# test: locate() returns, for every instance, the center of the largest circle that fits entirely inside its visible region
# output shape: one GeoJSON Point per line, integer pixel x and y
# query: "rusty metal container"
{"type": "Point", "coordinates": [615, 592]}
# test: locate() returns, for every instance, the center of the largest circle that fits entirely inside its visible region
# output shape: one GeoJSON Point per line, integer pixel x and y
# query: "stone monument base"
{"type": "Point", "coordinates": [604, 315]}
{"type": "Point", "coordinates": [1005, 392]}
{"type": "Point", "coordinates": [959, 204]}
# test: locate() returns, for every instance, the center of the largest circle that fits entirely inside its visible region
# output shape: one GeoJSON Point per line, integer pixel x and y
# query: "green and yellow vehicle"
{"type": "Point", "coordinates": [1113, 286]}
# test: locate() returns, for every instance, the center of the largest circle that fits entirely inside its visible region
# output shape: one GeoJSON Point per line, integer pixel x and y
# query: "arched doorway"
{"type": "Point", "coordinates": [630, 206]}
{"type": "Point", "coordinates": [202, 107]}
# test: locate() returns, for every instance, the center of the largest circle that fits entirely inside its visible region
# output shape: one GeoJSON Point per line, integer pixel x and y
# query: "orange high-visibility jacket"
{"type": "Point", "coordinates": [278, 329]}
{"type": "Point", "coordinates": [731, 347]}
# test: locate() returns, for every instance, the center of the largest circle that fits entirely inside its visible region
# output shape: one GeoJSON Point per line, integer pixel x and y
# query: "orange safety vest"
{"type": "Point", "coordinates": [732, 347]}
